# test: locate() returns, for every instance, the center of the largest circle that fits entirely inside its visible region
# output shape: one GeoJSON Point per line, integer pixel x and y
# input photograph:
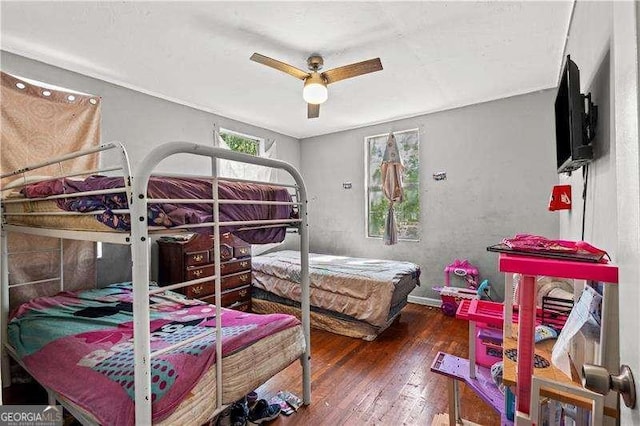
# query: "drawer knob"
{"type": "Point", "coordinates": [197, 289]}
{"type": "Point", "coordinates": [244, 278]}
{"type": "Point", "coordinates": [197, 272]}
{"type": "Point", "coordinates": [244, 264]}
{"type": "Point", "coordinates": [242, 293]}
{"type": "Point", "coordinates": [198, 258]}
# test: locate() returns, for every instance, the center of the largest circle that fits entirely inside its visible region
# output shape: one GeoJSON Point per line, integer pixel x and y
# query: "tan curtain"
{"type": "Point", "coordinates": [38, 124]}
{"type": "Point", "coordinates": [391, 172]}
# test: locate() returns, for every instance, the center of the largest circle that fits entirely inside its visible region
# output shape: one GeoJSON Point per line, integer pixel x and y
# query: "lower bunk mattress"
{"type": "Point", "coordinates": [351, 296]}
{"type": "Point", "coordinates": [80, 346]}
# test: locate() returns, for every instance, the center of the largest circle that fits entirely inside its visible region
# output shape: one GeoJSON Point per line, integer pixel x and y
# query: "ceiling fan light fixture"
{"type": "Point", "coordinates": [315, 89]}
{"type": "Point", "coordinates": [315, 83]}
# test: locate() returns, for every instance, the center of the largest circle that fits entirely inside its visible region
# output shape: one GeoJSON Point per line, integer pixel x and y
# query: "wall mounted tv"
{"type": "Point", "coordinates": [576, 118]}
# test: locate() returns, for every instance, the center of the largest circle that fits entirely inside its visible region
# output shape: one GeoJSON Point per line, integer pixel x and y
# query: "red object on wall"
{"type": "Point", "coordinates": [560, 198]}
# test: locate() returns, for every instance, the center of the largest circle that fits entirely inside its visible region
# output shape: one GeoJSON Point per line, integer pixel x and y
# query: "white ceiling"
{"type": "Point", "coordinates": [436, 55]}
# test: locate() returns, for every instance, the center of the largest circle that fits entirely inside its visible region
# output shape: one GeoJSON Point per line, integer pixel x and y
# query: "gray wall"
{"type": "Point", "coordinates": [500, 162]}
{"type": "Point", "coordinates": [143, 122]}
{"type": "Point", "coordinates": [588, 45]}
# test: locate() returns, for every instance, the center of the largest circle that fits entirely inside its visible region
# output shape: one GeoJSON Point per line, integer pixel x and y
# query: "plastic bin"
{"type": "Point", "coordinates": [488, 345]}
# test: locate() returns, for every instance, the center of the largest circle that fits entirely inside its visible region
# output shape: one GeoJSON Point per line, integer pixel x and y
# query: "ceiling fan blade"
{"type": "Point", "coordinates": [313, 110]}
{"type": "Point", "coordinates": [281, 66]}
{"type": "Point", "coordinates": [352, 70]}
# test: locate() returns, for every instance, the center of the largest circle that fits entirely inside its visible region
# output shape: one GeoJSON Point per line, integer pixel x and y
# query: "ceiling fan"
{"type": "Point", "coordinates": [315, 82]}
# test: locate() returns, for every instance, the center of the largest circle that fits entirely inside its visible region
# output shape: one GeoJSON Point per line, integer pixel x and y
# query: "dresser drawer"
{"type": "Point", "coordinates": [242, 251]}
{"type": "Point", "coordinates": [192, 258]}
{"type": "Point", "coordinates": [236, 280]}
{"type": "Point", "coordinates": [198, 291]}
{"type": "Point", "coordinates": [235, 266]}
{"type": "Point", "coordinates": [226, 253]}
{"type": "Point", "coordinates": [240, 306]}
{"type": "Point", "coordinates": [242, 294]}
{"type": "Point", "coordinates": [196, 258]}
{"type": "Point", "coordinates": [228, 282]}
{"type": "Point", "coordinates": [237, 296]}
{"type": "Point", "coordinates": [195, 272]}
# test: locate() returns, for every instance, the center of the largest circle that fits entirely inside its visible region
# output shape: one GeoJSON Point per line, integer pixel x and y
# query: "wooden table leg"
{"type": "Point", "coordinates": [454, 402]}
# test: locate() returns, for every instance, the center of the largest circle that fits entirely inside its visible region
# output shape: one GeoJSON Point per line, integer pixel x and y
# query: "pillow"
{"type": "Point", "coordinates": [543, 332]}
{"type": "Point", "coordinates": [14, 187]}
{"type": "Point", "coordinates": [24, 180]}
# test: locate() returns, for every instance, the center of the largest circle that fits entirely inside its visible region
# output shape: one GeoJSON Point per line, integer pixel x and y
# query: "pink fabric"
{"type": "Point", "coordinates": [88, 360]}
{"type": "Point", "coordinates": [528, 242]}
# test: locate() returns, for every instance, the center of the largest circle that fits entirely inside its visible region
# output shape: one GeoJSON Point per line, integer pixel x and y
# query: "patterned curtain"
{"type": "Point", "coordinates": [39, 123]}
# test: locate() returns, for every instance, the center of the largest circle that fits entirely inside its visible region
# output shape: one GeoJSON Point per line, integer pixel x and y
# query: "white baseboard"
{"type": "Point", "coordinates": [420, 300]}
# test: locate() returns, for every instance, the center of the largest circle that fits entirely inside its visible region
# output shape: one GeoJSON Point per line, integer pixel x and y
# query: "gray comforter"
{"type": "Point", "coordinates": [364, 289]}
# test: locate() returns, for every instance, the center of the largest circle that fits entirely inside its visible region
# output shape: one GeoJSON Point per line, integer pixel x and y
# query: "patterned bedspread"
{"type": "Point", "coordinates": [81, 345]}
{"type": "Point", "coordinates": [169, 215]}
{"type": "Point", "coordinates": [357, 287]}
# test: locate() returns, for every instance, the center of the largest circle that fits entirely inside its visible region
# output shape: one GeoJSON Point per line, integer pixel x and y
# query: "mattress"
{"type": "Point", "coordinates": [67, 222]}
{"type": "Point", "coordinates": [263, 302]}
{"type": "Point", "coordinates": [266, 358]}
{"type": "Point", "coordinates": [347, 288]}
{"type": "Point", "coordinates": [166, 215]}
{"type": "Point", "coordinates": [87, 336]}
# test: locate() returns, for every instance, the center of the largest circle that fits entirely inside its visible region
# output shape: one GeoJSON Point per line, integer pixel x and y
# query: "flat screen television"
{"type": "Point", "coordinates": [575, 128]}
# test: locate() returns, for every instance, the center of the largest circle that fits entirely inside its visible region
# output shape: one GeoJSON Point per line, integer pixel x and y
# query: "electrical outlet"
{"type": "Point", "coordinates": [346, 185]}
{"type": "Point", "coordinates": [440, 176]}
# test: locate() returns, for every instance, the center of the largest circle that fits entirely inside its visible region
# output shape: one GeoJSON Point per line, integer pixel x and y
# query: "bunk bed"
{"type": "Point", "coordinates": [139, 310]}
{"type": "Point", "coordinates": [354, 297]}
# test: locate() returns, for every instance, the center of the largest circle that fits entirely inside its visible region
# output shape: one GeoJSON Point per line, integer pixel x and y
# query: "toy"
{"type": "Point", "coordinates": [464, 269]}
{"type": "Point", "coordinates": [523, 402]}
{"type": "Point", "coordinates": [451, 296]}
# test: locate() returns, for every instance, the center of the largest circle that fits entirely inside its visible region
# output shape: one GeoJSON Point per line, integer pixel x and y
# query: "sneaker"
{"type": "Point", "coordinates": [284, 407]}
{"type": "Point", "coordinates": [234, 415]}
{"type": "Point", "coordinates": [251, 398]}
{"type": "Point", "coordinates": [239, 414]}
{"type": "Point", "coordinates": [263, 412]}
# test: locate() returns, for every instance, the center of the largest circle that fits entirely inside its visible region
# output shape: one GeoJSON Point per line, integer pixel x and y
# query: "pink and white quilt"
{"type": "Point", "coordinates": [81, 346]}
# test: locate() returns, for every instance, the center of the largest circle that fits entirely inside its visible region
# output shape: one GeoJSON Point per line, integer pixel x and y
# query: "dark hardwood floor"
{"type": "Point", "coordinates": [354, 382]}
{"type": "Point", "coordinates": [384, 382]}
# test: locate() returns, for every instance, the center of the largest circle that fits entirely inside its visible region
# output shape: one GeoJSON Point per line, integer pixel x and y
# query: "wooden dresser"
{"type": "Point", "coordinates": [183, 259]}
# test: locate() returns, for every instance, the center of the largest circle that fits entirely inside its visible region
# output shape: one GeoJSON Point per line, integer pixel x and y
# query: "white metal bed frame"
{"type": "Point", "coordinates": [139, 241]}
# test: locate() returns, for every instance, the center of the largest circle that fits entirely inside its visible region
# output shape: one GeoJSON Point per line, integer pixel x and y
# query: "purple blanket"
{"type": "Point", "coordinates": [170, 215]}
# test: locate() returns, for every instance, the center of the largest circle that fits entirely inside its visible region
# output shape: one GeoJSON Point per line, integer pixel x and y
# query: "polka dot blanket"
{"type": "Point", "coordinates": [81, 346]}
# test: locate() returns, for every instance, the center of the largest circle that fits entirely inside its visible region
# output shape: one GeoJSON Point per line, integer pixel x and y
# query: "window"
{"type": "Point", "coordinates": [407, 212]}
{"type": "Point", "coordinates": [249, 145]}
{"type": "Point", "coordinates": [242, 143]}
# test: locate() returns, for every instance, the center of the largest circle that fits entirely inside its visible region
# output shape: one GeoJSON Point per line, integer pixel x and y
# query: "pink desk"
{"type": "Point", "coordinates": [530, 267]}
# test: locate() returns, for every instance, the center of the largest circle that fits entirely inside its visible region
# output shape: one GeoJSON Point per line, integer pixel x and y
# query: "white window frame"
{"type": "Point", "coordinates": [367, 189]}
{"type": "Point", "coordinates": [260, 141]}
